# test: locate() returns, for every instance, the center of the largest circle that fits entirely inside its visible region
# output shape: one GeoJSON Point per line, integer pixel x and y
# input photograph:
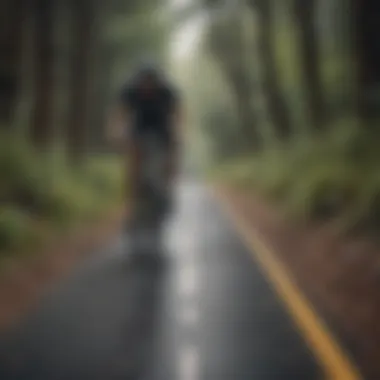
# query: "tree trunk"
{"type": "Point", "coordinates": [251, 139]}
{"type": "Point", "coordinates": [43, 73]}
{"type": "Point", "coordinates": [276, 104]}
{"type": "Point", "coordinates": [230, 58]}
{"type": "Point", "coordinates": [81, 69]}
{"type": "Point", "coordinates": [367, 51]}
{"type": "Point", "coordinates": [242, 93]}
{"type": "Point", "coordinates": [304, 11]}
{"type": "Point", "coordinates": [12, 16]}
{"type": "Point", "coordinates": [99, 116]}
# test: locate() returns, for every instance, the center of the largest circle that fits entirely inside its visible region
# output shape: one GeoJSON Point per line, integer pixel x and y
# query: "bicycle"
{"type": "Point", "coordinates": [154, 199]}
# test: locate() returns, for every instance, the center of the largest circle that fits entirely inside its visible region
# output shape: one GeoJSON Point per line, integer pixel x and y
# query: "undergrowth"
{"type": "Point", "coordinates": [334, 177]}
{"type": "Point", "coordinates": [42, 194]}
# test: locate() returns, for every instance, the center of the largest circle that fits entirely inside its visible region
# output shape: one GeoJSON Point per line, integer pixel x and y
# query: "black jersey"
{"type": "Point", "coordinates": [149, 111]}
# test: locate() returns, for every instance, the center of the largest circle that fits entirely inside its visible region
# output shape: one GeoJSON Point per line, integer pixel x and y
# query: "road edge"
{"type": "Point", "coordinates": [22, 287]}
{"type": "Point", "coordinates": [332, 357]}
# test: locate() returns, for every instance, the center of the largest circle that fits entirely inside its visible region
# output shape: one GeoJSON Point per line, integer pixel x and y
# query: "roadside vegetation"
{"type": "Point", "coordinates": [291, 110]}
{"type": "Point", "coordinates": [62, 64]}
{"type": "Point", "coordinates": [316, 180]}
{"type": "Point", "coordinates": [42, 195]}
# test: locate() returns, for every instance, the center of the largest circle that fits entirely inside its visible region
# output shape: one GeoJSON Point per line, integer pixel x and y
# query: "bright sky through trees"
{"type": "Point", "coordinates": [186, 37]}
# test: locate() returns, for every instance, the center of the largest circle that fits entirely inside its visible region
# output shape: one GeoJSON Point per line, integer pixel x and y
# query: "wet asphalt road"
{"type": "Point", "coordinates": [204, 312]}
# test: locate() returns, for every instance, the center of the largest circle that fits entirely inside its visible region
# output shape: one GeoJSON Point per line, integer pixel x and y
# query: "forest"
{"type": "Point", "coordinates": [62, 62]}
{"type": "Point", "coordinates": [282, 99]}
{"type": "Point", "coordinates": [291, 105]}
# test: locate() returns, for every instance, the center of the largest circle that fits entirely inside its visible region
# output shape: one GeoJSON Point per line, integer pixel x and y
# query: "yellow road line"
{"type": "Point", "coordinates": [331, 356]}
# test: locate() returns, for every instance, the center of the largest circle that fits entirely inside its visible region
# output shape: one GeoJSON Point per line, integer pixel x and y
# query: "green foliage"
{"type": "Point", "coordinates": [15, 228]}
{"type": "Point", "coordinates": [21, 175]}
{"type": "Point", "coordinates": [212, 111]}
{"type": "Point", "coordinates": [323, 172]}
{"type": "Point", "coordinates": [106, 176]}
{"type": "Point", "coordinates": [138, 29]}
{"type": "Point", "coordinates": [41, 190]}
{"type": "Point", "coordinates": [332, 178]}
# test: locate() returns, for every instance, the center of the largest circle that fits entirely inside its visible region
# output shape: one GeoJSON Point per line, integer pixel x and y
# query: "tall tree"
{"type": "Point", "coordinates": [304, 11]}
{"type": "Point", "coordinates": [40, 130]}
{"type": "Point", "coordinates": [101, 99]}
{"type": "Point", "coordinates": [242, 94]}
{"type": "Point", "coordinates": [12, 17]}
{"type": "Point", "coordinates": [226, 42]}
{"type": "Point", "coordinates": [276, 105]}
{"type": "Point", "coordinates": [367, 52]}
{"type": "Point", "coordinates": [83, 39]}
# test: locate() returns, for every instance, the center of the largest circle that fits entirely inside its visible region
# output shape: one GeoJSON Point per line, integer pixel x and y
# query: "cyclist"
{"type": "Point", "coordinates": [148, 103]}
